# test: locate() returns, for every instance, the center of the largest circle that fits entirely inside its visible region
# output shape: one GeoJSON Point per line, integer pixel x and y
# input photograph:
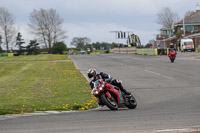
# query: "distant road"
{"type": "Point", "coordinates": [168, 96]}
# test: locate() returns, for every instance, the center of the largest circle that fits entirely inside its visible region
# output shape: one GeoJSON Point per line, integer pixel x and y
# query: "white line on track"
{"type": "Point", "coordinates": [173, 130]}
{"type": "Point", "coordinates": [158, 74]}
{"type": "Point", "coordinates": [188, 130]}
{"type": "Point", "coordinates": [167, 77]}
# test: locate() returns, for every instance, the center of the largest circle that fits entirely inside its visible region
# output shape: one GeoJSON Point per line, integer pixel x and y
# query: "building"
{"type": "Point", "coordinates": [188, 27]}
{"type": "Point", "coordinates": [165, 37]}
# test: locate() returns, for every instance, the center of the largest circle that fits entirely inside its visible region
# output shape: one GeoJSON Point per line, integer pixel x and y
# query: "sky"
{"type": "Point", "coordinates": [96, 18]}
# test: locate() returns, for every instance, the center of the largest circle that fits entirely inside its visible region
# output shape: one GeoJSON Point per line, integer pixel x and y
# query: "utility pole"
{"type": "Point", "coordinates": [184, 27]}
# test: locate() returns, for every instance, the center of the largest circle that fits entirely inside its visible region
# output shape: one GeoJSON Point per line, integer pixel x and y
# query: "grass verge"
{"type": "Point", "coordinates": [41, 86]}
{"type": "Point", "coordinates": [41, 57]}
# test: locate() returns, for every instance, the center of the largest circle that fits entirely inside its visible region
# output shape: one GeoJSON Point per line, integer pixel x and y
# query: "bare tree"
{"type": "Point", "coordinates": [7, 29]}
{"type": "Point", "coordinates": [47, 26]}
{"type": "Point", "coordinates": [0, 43]}
{"type": "Point", "coordinates": [167, 18]}
{"type": "Point", "coordinates": [188, 13]}
{"type": "Point", "coordinates": [80, 42]}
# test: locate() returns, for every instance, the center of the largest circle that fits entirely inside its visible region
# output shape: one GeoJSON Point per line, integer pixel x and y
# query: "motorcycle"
{"type": "Point", "coordinates": [112, 96]}
{"type": "Point", "coordinates": [88, 51]}
{"type": "Point", "coordinates": [172, 55]}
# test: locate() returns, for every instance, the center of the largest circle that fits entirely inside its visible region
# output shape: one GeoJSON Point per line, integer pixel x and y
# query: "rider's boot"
{"type": "Point", "coordinates": [118, 84]}
{"type": "Point", "coordinates": [124, 90]}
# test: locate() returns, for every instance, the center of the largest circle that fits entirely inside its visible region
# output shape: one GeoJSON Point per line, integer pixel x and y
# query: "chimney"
{"type": "Point", "coordinates": [197, 7]}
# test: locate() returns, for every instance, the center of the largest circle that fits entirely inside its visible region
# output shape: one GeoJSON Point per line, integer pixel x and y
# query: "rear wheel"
{"type": "Point", "coordinates": [111, 103]}
{"type": "Point", "coordinates": [132, 103]}
{"type": "Point", "coordinates": [172, 60]}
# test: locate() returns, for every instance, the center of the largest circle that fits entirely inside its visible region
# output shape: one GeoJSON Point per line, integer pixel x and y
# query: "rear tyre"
{"type": "Point", "coordinates": [172, 60]}
{"type": "Point", "coordinates": [111, 103]}
{"type": "Point", "coordinates": [132, 103]}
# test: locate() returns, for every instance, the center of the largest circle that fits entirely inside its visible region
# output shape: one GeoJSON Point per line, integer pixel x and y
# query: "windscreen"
{"type": "Point", "coordinates": [188, 43]}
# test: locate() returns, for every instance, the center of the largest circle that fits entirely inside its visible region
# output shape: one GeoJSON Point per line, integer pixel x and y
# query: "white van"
{"type": "Point", "coordinates": [187, 44]}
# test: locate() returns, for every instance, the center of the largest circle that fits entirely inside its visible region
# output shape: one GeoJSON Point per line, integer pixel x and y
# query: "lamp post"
{"type": "Point", "coordinates": [184, 27]}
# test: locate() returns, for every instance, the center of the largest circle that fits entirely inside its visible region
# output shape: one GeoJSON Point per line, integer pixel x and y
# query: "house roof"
{"type": "Point", "coordinates": [169, 39]}
{"type": "Point", "coordinates": [193, 18]}
{"type": "Point", "coordinates": [193, 35]}
{"type": "Point", "coordinates": [166, 29]}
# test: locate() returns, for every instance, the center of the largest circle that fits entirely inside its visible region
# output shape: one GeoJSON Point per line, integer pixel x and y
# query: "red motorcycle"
{"type": "Point", "coordinates": [172, 55]}
{"type": "Point", "coordinates": [112, 97]}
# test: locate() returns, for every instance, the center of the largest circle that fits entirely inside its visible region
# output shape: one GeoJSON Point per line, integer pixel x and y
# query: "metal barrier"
{"type": "Point", "coordinates": [141, 51]}
{"type": "Point", "coordinates": [127, 50]}
{"type": "Point", "coordinates": [146, 51]}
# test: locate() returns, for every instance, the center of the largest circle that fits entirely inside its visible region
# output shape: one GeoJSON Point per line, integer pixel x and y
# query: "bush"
{"type": "Point", "coordinates": [1, 49]}
{"type": "Point", "coordinates": [59, 47]}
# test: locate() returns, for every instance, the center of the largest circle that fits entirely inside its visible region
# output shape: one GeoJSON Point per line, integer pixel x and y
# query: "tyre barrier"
{"type": "Point", "coordinates": [3, 54]}
{"type": "Point", "coordinates": [6, 54]}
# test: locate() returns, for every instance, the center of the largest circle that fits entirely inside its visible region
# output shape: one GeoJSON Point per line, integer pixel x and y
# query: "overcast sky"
{"type": "Point", "coordinates": [95, 18]}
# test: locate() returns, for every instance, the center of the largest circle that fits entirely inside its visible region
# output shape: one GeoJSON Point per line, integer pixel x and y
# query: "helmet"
{"type": "Point", "coordinates": [171, 45]}
{"type": "Point", "coordinates": [91, 73]}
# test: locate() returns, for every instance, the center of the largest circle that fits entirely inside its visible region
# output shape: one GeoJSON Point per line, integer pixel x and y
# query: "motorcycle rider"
{"type": "Point", "coordinates": [92, 74]}
{"type": "Point", "coordinates": [171, 47]}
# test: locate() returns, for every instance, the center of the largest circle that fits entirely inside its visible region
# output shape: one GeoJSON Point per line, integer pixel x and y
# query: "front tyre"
{"type": "Point", "coordinates": [132, 103]}
{"type": "Point", "coordinates": [111, 103]}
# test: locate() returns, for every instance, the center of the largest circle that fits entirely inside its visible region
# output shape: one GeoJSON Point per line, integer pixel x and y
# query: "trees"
{"type": "Point", "coordinates": [96, 45]}
{"type": "Point", "coordinates": [59, 47]}
{"type": "Point", "coordinates": [47, 26]}
{"type": "Point", "coordinates": [148, 45]}
{"type": "Point", "coordinates": [80, 42]}
{"type": "Point", "coordinates": [0, 44]}
{"type": "Point", "coordinates": [19, 42]}
{"type": "Point", "coordinates": [103, 45]}
{"type": "Point", "coordinates": [114, 45]}
{"type": "Point", "coordinates": [7, 29]}
{"type": "Point", "coordinates": [88, 46]}
{"type": "Point", "coordinates": [33, 48]}
{"type": "Point", "coordinates": [167, 18]}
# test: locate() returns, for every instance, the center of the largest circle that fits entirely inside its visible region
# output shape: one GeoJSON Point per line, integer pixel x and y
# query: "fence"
{"type": "Point", "coordinates": [147, 51]}
{"type": "Point", "coordinates": [127, 50]}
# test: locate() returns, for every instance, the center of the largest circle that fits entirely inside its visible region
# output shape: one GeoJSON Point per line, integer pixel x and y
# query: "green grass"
{"type": "Point", "coordinates": [41, 57]}
{"type": "Point", "coordinates": [40, 86]}
{"type": "Point", "coordinates": [99, 51]}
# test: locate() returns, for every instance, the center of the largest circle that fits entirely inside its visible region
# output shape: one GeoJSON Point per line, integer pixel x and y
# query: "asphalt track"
{"type": "Point", "coordinates": [168, 96]}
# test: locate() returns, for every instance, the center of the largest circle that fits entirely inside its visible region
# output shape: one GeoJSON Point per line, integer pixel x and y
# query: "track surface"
{"type": "Point", "coordinates": [168, 96]}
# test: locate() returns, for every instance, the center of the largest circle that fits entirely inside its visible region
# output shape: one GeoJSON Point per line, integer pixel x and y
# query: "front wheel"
{"type": "Point", "coordinates": [111, 103]}
{"type": "Point", "coordinates": [132, 104]}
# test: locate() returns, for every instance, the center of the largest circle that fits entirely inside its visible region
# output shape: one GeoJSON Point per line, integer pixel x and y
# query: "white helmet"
{"type": "Point", "coordinates": [91, 73]}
